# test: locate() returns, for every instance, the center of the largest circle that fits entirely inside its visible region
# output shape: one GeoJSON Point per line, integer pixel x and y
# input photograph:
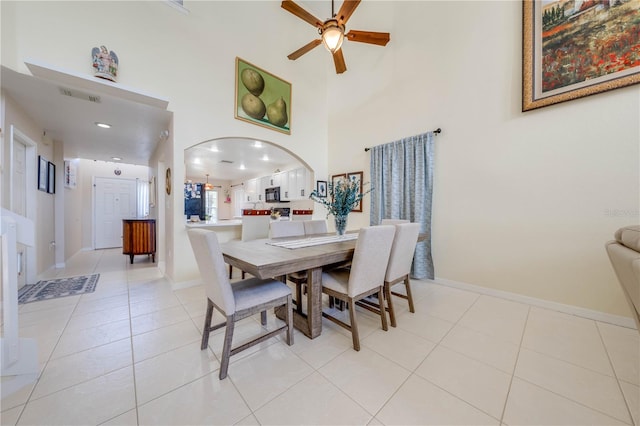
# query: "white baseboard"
{"type": "Point", "coordinates": [555, 306]}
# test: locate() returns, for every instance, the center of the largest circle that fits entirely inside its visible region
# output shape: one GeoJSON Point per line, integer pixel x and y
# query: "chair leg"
{"type": "Point", "coordinates": [207, 325]}
{"type": "Point", "coordinates": [409, 296]}
{"type": "Point", "coordinates": [387, 296]}
{"type": "Point", "coordinates": [263, 318]}
{"type": "Point", "coordinates": [383, 311]}
{"type": "Point", "coordinates": [289, 321]}
{"type": "Point", "coordinates": [354, 325]}
{"type": "Point", "coordinates": [230, 271]}
{"type": "Point", "coordinates": [226, 349]}
{"type": "Point", "coordinates": [243, 274]}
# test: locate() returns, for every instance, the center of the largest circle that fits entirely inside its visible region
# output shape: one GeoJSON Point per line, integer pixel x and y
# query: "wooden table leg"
{"type": "Point", "coordinates": [310, 324]}
{"type": "Point", "coordinates": [314, 301]}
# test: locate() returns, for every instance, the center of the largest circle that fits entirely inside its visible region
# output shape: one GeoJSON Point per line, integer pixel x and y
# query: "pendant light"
{"type": "Point", "coordinates": [332, 33]}
{"type": "Point", "coordinates": [208, 185]}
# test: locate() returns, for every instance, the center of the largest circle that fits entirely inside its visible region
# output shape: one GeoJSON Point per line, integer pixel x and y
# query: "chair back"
{"type": "Point", "coordinates": [312, 227]}
{"type": "Point", "coordinates": [370, 258]}
{"type": "Point", "coordinates": [255, 227]}
{"type": "Point", "coordinates": [404, 245]}
{"type": "Point", "coordinates": [212, 269]}
{"type": "Point", "coordinates": [286, 228]}
{"type": "Point", "coordinates": [392, 221]}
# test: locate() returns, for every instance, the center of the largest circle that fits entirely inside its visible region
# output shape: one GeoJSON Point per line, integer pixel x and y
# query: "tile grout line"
{"type": "Point", "coordinates": [133, 363]}
{"type": "Point", "coordinates": [413, 372]}
{"type": "Point", "coordinates": [515, 365]}
{"type": "Point", "coordinates": [615, 374]}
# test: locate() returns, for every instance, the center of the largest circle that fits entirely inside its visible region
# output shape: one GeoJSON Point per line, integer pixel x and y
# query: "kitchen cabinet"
{"type": "Point", "coordinates": [263, 182]}
{"type": "Point", "coordinates": [251, 190]}
{"type": "Point", "coordinates": [294, 185]}
{"type": "Point", "coordinates": [297, 184]}
{"type": "Point", "coordinates": [139, 237]}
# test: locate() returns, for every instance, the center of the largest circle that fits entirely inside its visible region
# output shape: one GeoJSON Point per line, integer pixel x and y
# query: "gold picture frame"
{"type": "Point", "coordinates": [262, 98]}
{"type": "Point", "coordinates": [568, 54]}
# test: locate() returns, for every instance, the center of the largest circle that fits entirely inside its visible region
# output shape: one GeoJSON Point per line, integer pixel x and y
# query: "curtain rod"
{"type": "Point", "coordinates": [436, 131]}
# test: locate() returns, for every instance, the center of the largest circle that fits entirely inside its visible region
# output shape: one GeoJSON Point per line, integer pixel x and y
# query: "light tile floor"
{"type": "Point", "coordinates": [129, 354]}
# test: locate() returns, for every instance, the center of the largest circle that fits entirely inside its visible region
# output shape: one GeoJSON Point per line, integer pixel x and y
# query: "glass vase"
{"type": "Point", "coordinates": [341, 223]}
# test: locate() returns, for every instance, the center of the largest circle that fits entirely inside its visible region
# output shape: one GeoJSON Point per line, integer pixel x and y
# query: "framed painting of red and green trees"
{"type": "Point", "coordinates": [577, 48]}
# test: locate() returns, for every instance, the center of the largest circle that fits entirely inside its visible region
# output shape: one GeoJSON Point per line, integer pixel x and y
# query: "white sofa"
{"type": "Point", "coordinates": [624, 253]}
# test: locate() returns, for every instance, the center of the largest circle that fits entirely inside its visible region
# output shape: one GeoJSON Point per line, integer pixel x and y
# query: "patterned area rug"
{"type": "Point", "coordinates": [61, 287]}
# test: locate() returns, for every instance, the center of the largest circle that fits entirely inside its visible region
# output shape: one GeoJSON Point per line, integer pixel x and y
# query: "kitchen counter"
{"type": "Point", "coordinates": [225, 229]}
{"type": "Point", "coordinates": [215, 223]}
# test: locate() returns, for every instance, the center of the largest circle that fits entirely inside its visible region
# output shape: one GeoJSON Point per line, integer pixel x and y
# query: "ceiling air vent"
{"type": "Point", "coordinates": [79, 95]}
{"type": "Point", "coordinates": [226, 161]}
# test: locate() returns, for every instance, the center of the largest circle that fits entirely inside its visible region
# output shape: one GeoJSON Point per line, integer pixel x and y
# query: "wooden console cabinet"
{"type": "Point", "coordinates": [139, 237]}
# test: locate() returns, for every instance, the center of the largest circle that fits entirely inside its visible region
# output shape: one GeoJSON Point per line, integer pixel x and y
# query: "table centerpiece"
{"type": "Point", "coordinates": [343, 196]}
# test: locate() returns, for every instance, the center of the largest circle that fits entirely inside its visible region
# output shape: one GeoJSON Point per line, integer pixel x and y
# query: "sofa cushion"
{"type": "Point", "coordinates": [629, 236]}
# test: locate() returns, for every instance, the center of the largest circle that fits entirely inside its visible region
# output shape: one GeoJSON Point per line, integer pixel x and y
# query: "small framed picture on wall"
{"type": "Point", "coordinates": [51, 178]}
{"type": "Point", "coordinates": [321, 188]}
{"type": "Point", "coordinates": [356, 177]}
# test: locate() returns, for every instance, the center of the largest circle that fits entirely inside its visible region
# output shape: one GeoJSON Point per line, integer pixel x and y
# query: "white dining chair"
{"type": "Point", "coordinates": [292, 229]}
{"type": "Point", "coordinates": [392, 221]}
{"type": "Point", "coordinates": [254, 227]}
{"type": "Point", "coordinates": [398, 270]}
{"type": "Point", "coordinates": [287, 228]}
{"type": "Point", "coordinates": [364, 278]}
{"type": "Point", "coordinates": [317, 226]}
{"type": "Point", "coordinates": [237, 301]}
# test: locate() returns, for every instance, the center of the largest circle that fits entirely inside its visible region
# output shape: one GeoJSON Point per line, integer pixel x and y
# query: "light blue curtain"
{"type": "Point", "coordinates": [402, 188]}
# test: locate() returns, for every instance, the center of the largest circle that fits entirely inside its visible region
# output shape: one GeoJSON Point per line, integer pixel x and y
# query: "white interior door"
{"type": "Point", "coordinates": [115, 199]}
{"type": "Point", "coordinates": [22, 196]}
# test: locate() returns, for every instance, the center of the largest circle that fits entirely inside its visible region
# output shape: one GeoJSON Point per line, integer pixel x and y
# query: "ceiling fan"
{"type": "Point", "coordinates": [332, 31]}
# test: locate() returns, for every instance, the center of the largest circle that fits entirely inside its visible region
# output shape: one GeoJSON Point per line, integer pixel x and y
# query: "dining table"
{"type": "Point", "coordinates": [275, 258]}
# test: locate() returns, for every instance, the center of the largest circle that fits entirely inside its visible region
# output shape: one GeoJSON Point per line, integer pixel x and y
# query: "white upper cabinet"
{"type": "Point", "coordinates": [294, 185]}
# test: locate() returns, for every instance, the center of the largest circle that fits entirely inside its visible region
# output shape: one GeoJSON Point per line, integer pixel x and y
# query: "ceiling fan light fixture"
{"type": "Point", "coordinates": [332, 35]}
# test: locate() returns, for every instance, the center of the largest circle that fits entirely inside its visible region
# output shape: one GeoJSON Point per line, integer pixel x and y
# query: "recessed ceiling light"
{"type": "Point", "coordinates": [257, 144]}
{"type": "Point", "coordinates": [116, 158]}
{"type": "Point", "coordinates": [103, 125]}
{"type": "Point", "coordinates": [214, 149]}
{"type": "Point", "coordinates": [242, 167]}
{"type": "Point", "coordinates": [265, 158]}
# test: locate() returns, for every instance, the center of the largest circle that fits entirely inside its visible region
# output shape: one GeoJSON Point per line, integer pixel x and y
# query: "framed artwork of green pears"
{"type": "Point", "coordinates": [262, 98]}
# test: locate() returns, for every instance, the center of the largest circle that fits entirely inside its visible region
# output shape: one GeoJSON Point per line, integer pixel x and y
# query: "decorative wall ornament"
{"type": "Point", "coordinates": [573, 49]}
{"type": "Point", "coordinates": [167, 182]}
{"type": "Point", "coordinates": [105, 63]}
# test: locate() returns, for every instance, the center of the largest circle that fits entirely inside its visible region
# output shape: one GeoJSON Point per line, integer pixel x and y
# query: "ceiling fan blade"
{"type": "Point", "coordinates": [338, 60]}
{"type": "Point", "coordinates": [304, 49]}
{"type": "Point", "coordinates": [301, 13]}
{"type": "Point", "coordinates": [371, 37]}
{"type": "Point", "coordinates": [346, 10]}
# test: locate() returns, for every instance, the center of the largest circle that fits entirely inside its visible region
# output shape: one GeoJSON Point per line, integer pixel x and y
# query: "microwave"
{"type": "Point", "coordinates": [272, 195]}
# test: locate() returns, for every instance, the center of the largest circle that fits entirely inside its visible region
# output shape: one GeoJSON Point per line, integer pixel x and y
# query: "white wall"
{"type": "Point", "coordinates": [523, 202]}
{"type": "Point", "coordinates": [73, 213]}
